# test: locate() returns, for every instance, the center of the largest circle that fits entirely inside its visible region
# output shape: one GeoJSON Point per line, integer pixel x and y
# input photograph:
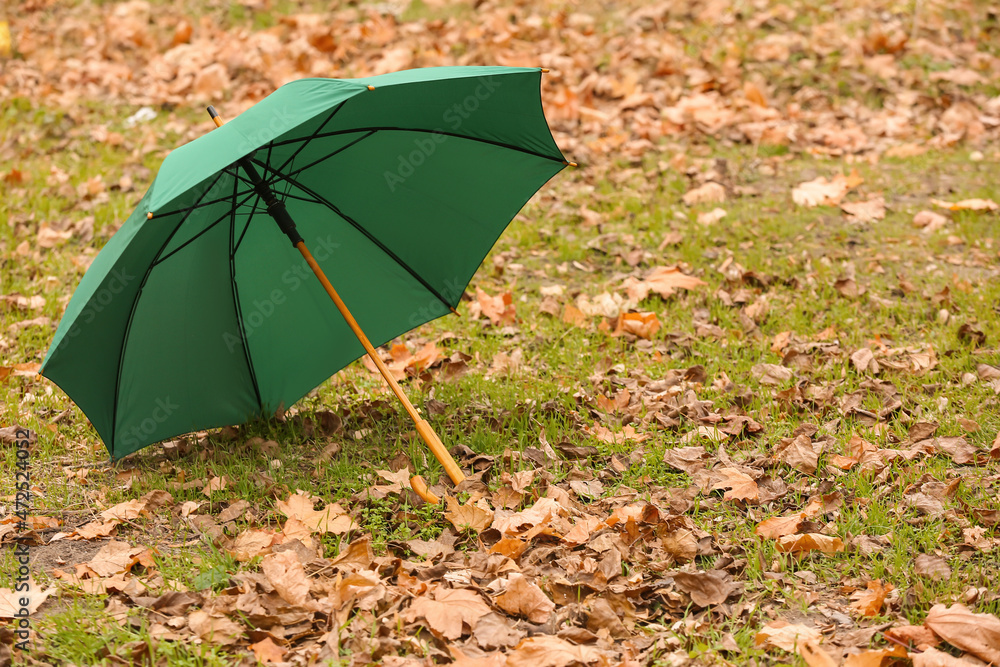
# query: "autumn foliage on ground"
{"type": "Point", "coordinates": [726, 393]}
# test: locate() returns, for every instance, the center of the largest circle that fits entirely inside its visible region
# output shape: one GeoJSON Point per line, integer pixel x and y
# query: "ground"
{"type": "Point", "coordinates": [726, 392]}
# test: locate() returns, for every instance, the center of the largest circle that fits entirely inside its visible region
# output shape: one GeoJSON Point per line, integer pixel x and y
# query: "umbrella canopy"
{"type": "Point", "coordinates": [198, 312]}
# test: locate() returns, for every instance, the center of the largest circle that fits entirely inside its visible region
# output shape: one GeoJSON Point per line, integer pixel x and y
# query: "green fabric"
{"type": "Point", "coordinates": [205, 315]}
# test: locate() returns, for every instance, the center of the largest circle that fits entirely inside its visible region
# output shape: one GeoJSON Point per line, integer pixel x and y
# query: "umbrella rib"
{"type": "Point", "coordinates": [312, 164]}
{"type": "Point", "coordinates": [131, 314]}
{"type": "Point", "coordinates": [246, 227]}
{"type": "Point", "coordinates": [236, 294]}
{"type": "Point", "coordinates": [195, 237]}
{"type": "Point", "coordinates": [201, 204]}
{"type": "Point", "coordinates": [381, 246]}
{"type": "Point", "coordinates": [305, 140]}
{"type": "Point", "coordinates": [389, 128]}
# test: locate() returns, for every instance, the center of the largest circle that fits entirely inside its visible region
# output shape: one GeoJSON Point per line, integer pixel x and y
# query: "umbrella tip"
{"type": "Point", "coordinates": [571, 164]}
{"type": "Point", "coordinates": [371, 87]}
{"type": "Point", "coordinates": [545, 70]}
{"type": "Point", "coordinates": [452, 309]}
{"type": "Point", "coordinates": [149, 215]}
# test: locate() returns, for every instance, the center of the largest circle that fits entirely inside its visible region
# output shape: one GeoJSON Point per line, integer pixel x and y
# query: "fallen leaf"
{"type": "Point", "coordinates": [549, 651]}
{"type": "Point", "coordinates": [523, 598]}
{"type": "Point", "coordinates": [214, 629]}
{"type": "Point", "coordinates": [705, 588]}
{"type": "Point", "coordinates": [864, 211]}
{"type": "Point", "coordinates": [331, 519]}
{"type": "Point", "coordinates": [784, 635]}
{"type": "Point", "coordinates": [932, 657]}
{"type": "Point", "coordinates": [499, 309]}
{"type": "Point", "coordinates": [821, 192]}
{"type": "Point", "coordinates": [644, 325]}
{"type": "Point", "coordinates": [709, 193]}
{"type": "Point", "coordinates": [978, 634]}
{"type": "Point", "coordinates": [10, 600]}
{"type": "Point", "coordinates": [467, 517]}
{"type": "Point", "coordinates": [266, 651]}
{"type": "Point", "coordinates": [869, 602]}
{"type": "Point", "coordinates": [771, 374]}
{"type": "Point", "coordinates": [933, 567]}
{"type": "Point", "coordinates": [799, 453]}
{"type": "Point", "coordinates": [215, 484]}
{"type": "Point", "coordinates": [815, 655]}
{"type": "Point", "coordinates": [741, 486]}
{"type": "Point", "coordinates": [809, 542]}
{"type": "Point", "coordinates": [779, 526]}
{"type": "Point", "coordinates": [968, 205]}
{"type": "Point", "coordinates": [448, 610]}
{"type": "Point", "coordinates": [285, 572]}
{"type": "Point", "coordinates": [929, 221]}
{"type": "Point", "coordinates": [663, 280]}
{"type": "Point", "coordinates": [874, 658]}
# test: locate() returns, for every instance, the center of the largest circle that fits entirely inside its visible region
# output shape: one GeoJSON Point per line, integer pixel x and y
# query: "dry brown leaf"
{"type": "Point", "coordinates": [874, 658]}
{"type": "Point", "coordinates": [330, 519]}
{"type": "Point", "coordinates": [573, 315]}
{"type": "Point", "coordinates": [869, 602]}
{"type": "Point", "coordinates": [549, 651]}
{"type": "Point", "coordinates": [665, 281]}
{"type": "Point", "coordinates": [809, 542]}
{"type": "Point", "coordinates": [772, 374]}
{"type": "Point", "coordinates": [499, 309]}
{"type": "Point", "coordinates": [523, 598]}
{"type": "Point", "coordinates": [126, 511]}
{"type": "Point", "coordinates": [10, 600]}
{"type": "Point", "coordinates": [494, 659]}
{"type": "Point", "coordinates": [865, 211]}
{"type": "Point", "coordinates": [741, 486]}
{"type": "Point", "coordinates": [448, 610]}
{"type": "Point", "coordinates": [815, 655]}
{"type": "Point", "coordinates": [644, 325]}
{"type": "Point", "coordinates": [709, 193]}
{"type": "Point", "coordinates": [688, 459]}
{"type": "Point", "coordinates": [932, 657]}
{"type": "Point", "coordinates": [978, 634]}
{"type": "Point", "coordinates": [968, 205]}
{"type": "Point", "coordinates": [468, 516]}
{"type": "Point", "coordinates": [215, 629]}
{"type": "Point", "coordinates": [115, 557]}
{"type": "Point", "coordinates": [779, 526]}
{"type": "Point", "coordinates": [786, 636]}
{"type": "Point", "coordinates": [799, 453]}
{"type": "Point", "coordinates": [705, 588]}
{"type": "Point", "coordinates": [821, 192]}
{"type": "Point", "coordinates": [251, 543]}
{"type": "Point", "coordinates": [266, 651]}
{"type": "Point", "coordinates": [285, 572]}
{"type": "Point", "coordinates": [933, 567]}
{"type": "Point", "coordinates": [215, 484]}
{"type": "Point", "coordinates": [919, 636]}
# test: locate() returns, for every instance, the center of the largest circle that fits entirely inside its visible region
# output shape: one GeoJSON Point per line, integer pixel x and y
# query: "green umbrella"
{"type": "Point", "coordinates": [199, 313]}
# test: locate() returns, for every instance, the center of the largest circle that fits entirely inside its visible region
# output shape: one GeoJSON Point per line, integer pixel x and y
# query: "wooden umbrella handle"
{"type": "Point", "coordinates": [423, 428]}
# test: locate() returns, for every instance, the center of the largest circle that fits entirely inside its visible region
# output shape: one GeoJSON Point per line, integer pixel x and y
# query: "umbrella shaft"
{"type": "Point", "coordinates": [424, 429]}
{"type": "Point", "coordinates": [275, 208]}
